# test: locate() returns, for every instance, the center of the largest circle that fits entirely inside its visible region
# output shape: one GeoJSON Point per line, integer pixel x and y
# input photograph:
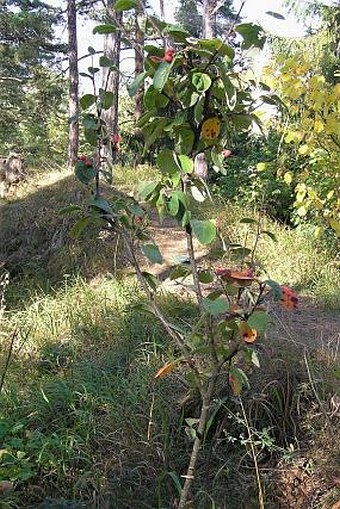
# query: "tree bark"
{"type": "Point", "coordinates": [73, 140]}
{"type": "Point", "coordinates": [209, 19]}
{"type": "Point", "coordinates": [139, 64]}
{"type": "Point", "coordinates": [161, 8]}
{"type": "Point", "coordinates": [112, 45]}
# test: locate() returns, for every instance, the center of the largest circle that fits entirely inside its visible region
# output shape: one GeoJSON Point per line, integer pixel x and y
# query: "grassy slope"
{"type": "Point", "coordinates": [90, 424]}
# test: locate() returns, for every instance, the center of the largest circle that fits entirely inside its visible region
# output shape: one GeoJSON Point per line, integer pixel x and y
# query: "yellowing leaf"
{"type": "Point", "coordinates": [261, 166]}
{"type": "Point", "coordinates": [235, 384]}
{"type": "Point", "coordinates": [318, 204]}
{"type": "Point", "coordinates": [304, 149]}
{"type": "Point", "coordinates": [333, 223]}
{"type": "Point", "coordinates": [318, 126]}
{"type": "Point", "coordinates": [211, 128]}
{"type": "Point", "coordinates": [248, 334]}
{"type": "Point", "coordinates": [302, 211]}
{"type": "Point", "coordinates": [288, 177]}
{"type": "Point", "coordinates": [318, 232]}
{"type": "Point", "coordinates": [166, 369]}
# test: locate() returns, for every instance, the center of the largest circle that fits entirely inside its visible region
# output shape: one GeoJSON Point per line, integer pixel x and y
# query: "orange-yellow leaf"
{"type": "Point", "coordinates": [166, 369]}
{"type": "Point", "coordinates": [235, 384]}
{"type": "Point", "coordinates": [248, 334]}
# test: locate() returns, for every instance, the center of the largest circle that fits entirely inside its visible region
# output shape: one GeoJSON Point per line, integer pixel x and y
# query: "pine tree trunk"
{"type": "Point", "coordinates": [112, 47]}
{"type": "Point", "coordinates": [139, 64]}
{"type": "Point", "coordinates": [209, 19]}
{"type": "Point", "coordinates": [161, 8]}
{"type": "Point", "coordinates": [73, 140]}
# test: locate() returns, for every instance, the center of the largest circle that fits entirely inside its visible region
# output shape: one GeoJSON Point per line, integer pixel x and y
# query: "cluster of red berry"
{"type": "Point", "coordinates": [169, 55]}
{"type": "Point", "coordinates": [88, 161]}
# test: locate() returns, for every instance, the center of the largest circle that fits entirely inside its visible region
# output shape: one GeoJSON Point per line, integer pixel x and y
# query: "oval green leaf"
{"type": "Point", "coordinates": [205, 231]}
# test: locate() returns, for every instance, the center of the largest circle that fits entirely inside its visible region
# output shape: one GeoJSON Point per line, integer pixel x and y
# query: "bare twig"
{"type": "Point", "coordinates": [8, 358]}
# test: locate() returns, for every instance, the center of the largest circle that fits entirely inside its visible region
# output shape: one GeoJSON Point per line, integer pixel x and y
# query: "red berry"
{"type": "Point", "coordinates": [169, 55]}
{"type": "Point", "coordinates": [82, 158]}
{"type": "Point", "coordinates": [115, 138]}
{"type": "Point", "coordinates": [88, 163]}
{"type": "Point", "coordinates": [225, 152]}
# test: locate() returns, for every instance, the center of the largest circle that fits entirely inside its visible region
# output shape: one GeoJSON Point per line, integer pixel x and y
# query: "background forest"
{"type": "Point", "coordinates": [169, 256]}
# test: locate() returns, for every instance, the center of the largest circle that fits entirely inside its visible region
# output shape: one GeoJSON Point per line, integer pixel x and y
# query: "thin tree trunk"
{"type": "Point", "coordinates": [112, 47]}
{"type": "Point", "coordinates": [73, 140]}
{"type": "Point", "coordinates": [209, 19]}
{"type": "Point", "coordinates": [161, 8]}
{"type": "Point", "coordinates": [139, 63]}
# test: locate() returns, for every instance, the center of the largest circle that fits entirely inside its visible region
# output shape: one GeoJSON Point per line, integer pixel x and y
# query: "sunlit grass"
{"type": "Point", "coordinates": [80, 399]}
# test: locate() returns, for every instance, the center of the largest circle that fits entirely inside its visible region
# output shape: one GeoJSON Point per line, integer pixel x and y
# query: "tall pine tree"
{"type": "Point", "coordinates": [29, 90]}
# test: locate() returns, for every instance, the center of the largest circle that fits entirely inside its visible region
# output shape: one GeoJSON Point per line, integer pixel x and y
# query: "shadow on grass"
{"type": "Point", "coordinates": [35, 245]}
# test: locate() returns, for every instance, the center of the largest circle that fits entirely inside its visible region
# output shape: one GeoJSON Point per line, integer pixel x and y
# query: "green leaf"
{"type": "Point", "coordinates": [154, 99]}
{"type": "Point", "coordinates": [252, 35]}
{"type": "Point", "coordinates": [80, 226]}
{"type": "Point", "coordinates": [101, 204]}
{"type": "Point", "coordinates": [229, 88]}
{"type": "Point", "coordinates": [275, 15]}
{"type": "Point", "coordinates": [104, 29]}
{"type": "Point", "coordinates": [201, 81]}
{"type": "Point", "coordinates": [241, 121]}
{"type": "Point", "coordinates": [205, 276]}
{"type": "Point", "coordinates": [104, 61]}
{"type": "Point", "coordinates": [69, 209]}
{"type": "Point", "coordinates": [180, 271]}
{"type": "Point", "coordinates": [137, 82]}
{"type": "Point", "coordinates": [107, 98]}
{"type": "Point", "coordinates": [185, 218]}
{"type": "Point", "coordinates": [177, 33]}
{"type": "Point", "coordinates": [186, 163]}
{"type": "Point", "coordinates": [166, 161]}
{"type": "Point", "coordinates": [87, 100]}
{"type": "Point", "coordinates": [270, 235]}
{"type": "Point", "coordinates": [255, 359]}
{"type": "Point", "coordinates": [217, 306]}
{"type": "Point", "coordinates": [125, 5]}
{"type": "Point", "coordinates": [241, 252]}
{"type": "Point", "coordinates": [161, 76]}
{"type": "Point", "coordinates": [216, 45]}
{"type": "Point", "coordinates": [198, 110]}
{"type": "Point", "coordinates": [183, 198]}
{"type": "Point", "coordinates": [205, 231]}
{"type": "Point", "coordinates": [185, 139]}
{"type": "Point", "coordinates": [83, 173]}
{"type": "Point", "coordinates": [90, 122]}
{"type": "Point", "coordinates": [276, 288]}
{"type": "Point", "coordinates": [248, 220]}
{"type": "Point", "coordinates": [258, 320]}
{"type": "Point", "coordinates": [91, 136]}
{"type": "Point", "coordinates": [152, 281]}
{"type": "Point", "coordinates": [93, 70]}
{"type": "Point", "coordinates": [154, 130]}
{"type": "Point", "coordinates": [197, 195]}
{"type": "Point", "coordinates": [152, 252]}
{"type": "Point", "coordinates": [147, 189]}
{"type": "Point", "coordinates": [173, 205]}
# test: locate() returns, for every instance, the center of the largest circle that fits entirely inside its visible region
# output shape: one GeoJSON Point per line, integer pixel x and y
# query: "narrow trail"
{"type": "Point", "coordinates": [172, 242]}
